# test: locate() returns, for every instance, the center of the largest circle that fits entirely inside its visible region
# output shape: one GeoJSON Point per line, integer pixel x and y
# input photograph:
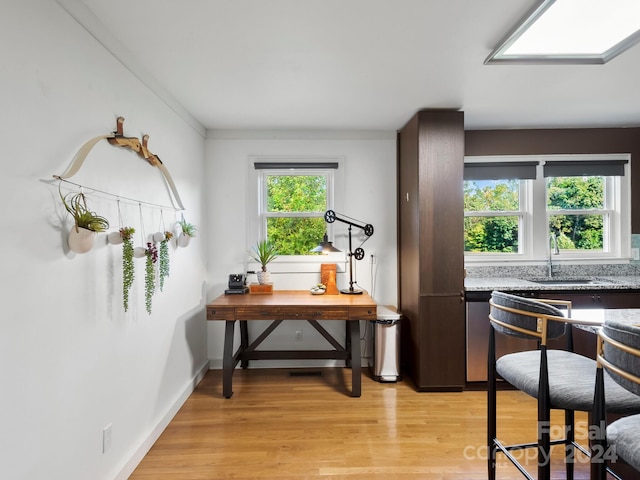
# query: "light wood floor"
{"type": "Point", "coordinates": [279, 426]}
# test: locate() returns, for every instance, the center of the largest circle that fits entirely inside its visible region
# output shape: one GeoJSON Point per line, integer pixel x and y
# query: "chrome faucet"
{"type": "Point", "coordinates": [553, 249]}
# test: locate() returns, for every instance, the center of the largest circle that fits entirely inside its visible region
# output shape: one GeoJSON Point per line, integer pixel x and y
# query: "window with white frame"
{"type": "Point", "coordinates": [514, 205]}
{"type": "Point", "coordinates": [293, 198]}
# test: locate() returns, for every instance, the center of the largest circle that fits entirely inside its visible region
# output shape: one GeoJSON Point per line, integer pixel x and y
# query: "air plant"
{"type": "Point", "coordinates": [188, 228]}
{"type": "Point", "coordinates": [164, 258]}
{"type": "Point", "coordinates": [127, 264]}
{"type": "Point", "coordinates": [151, 254]}
{"type": "Point", "coordinates": [76, 205]}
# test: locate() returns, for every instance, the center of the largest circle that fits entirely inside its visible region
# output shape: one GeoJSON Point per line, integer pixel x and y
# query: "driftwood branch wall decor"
{"type": "Point", "coordinates": [118, 139]}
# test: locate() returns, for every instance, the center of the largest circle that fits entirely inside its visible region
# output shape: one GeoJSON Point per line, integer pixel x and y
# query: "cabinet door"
{"type": "Point", "coordinates": [441, 359]}
{"type": "Point", "coordinates": [441, 167]}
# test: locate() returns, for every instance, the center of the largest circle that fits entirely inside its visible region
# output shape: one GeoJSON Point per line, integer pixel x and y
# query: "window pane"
{"type": "Point", "coordinates": [578, 232]}
{"type": "Point", "coordinates": [491, 195]}
{"type": "Point", "coordinates": [491, 234]}
{"type": "Point", "coordinates": [296, 193]}
{"type": "Point", "coordinates": [571, 193]}
{"type": "Point", "coordinates": [295, 236]}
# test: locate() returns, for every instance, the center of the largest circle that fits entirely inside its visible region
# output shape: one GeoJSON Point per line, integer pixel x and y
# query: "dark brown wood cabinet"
{"type": "Point", "coordinates": [431, 249]}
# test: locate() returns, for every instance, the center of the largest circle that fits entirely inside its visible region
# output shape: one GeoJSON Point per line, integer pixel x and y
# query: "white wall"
{"type": "Point", "coordinates": [369, 196]}
{"type": "Point", "coordinates": [71, 361]}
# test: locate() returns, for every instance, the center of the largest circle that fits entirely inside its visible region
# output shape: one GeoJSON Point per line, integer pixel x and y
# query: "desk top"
{"type": "Point", "coordinates": [293, 298]}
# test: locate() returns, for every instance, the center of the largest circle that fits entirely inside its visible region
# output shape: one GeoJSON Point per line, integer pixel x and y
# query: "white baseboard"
{"type": "Point", "coordinates": [146, 445]}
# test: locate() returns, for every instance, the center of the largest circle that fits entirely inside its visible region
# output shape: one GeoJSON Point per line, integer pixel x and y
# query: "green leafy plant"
{"type": "Point", "coordinates": [151, 257]}
{"type": "Point", "coordinates": [76, 205]}
{"type": "Point", "coordinates": [263, 253]}
{"type": "Point", "coordinates": [164, 258]}
{"type": "Point", "coordinates": [188, 228]}
{"type": "Point", "coordinates": [127, 263]}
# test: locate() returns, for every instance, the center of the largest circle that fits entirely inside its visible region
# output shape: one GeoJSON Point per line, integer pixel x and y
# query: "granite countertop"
{"type": "Point", "coordinates": [614, 282]}
{"type": "Point", "coordinates": [628, 316]}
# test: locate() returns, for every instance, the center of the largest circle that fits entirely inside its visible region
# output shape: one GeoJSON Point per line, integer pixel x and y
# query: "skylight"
{"type": "Point", "coordinates": [571, 31]}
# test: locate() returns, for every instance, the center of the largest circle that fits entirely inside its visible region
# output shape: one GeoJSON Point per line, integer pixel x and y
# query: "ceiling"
{"type": "Point", "coordinates": [352, 64]}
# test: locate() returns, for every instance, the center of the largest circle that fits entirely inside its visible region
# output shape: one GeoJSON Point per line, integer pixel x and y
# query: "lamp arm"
{"type": "Point", "coordinates": [330, 216]}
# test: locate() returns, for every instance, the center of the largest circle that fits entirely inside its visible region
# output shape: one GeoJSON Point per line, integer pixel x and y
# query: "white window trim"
{"type": "Point", "coordinates": [536, 250]}
{"type": "Point", "coordinates": [256, 224]}
{"type": "Point", "coordinates": [523, 231]}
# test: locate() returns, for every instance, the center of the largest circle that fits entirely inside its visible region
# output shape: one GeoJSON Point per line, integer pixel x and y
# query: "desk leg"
{"type": "Point", "coordinates": [244, 341]}
{"type": "Point", "coordinates": [347, 342]}
{"type": "Point", "coordinates": [227, 359]}
{"type": "Point", "coordinates": [356, 379]}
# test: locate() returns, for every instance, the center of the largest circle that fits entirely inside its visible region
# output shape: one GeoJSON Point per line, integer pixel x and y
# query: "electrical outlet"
{"type": "Point", "coordinates": [106, 438]}
{"type": "Point", "coordinates": [298, 335]}
{"type": "Point", "coordinates": [635, 253]}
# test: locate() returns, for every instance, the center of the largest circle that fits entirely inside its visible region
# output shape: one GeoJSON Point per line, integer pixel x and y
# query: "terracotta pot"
{"type": "Point", "coordinates": [81, 240]}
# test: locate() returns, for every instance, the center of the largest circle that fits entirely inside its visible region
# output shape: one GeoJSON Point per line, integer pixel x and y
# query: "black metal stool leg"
{"type": "Point", "coordinates": [491, 407]}
{"type": "Point", "coordinates": [570, 436]}
{"type": "Point", "coordinates": [544, 419]}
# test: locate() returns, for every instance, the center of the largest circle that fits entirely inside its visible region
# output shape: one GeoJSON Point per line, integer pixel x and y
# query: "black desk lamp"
{"type": "Point", "coordinates": [330, 216]}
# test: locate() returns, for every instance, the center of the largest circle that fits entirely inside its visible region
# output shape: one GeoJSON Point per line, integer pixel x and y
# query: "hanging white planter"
{"type": "Point", "coordinates": [183, 240]}
{"type": "Point", "coordinates": [139, 252]}
{"type": "Point", "coordinates": [158, 237]}
{"type": "Point", "coordinates": [115, 238]}
{"type": "Point", "coordinates": [80, 239]}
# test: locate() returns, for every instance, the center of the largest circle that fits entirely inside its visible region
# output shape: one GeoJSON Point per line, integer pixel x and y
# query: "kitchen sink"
{"type": "Point", "coordinates": [570, 281]}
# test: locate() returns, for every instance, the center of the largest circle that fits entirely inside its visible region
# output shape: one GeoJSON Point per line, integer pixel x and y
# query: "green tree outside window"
{"type": "Point", "coordinates": [295, 212]}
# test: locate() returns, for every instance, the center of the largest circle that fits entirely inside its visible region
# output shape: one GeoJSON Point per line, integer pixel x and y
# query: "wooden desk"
{"type": "Point", "coordinates": [290, 305]}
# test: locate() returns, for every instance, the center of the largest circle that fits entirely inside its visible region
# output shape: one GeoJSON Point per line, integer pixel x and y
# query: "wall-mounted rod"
{"type": "Point", "coordinates": [119, 197]}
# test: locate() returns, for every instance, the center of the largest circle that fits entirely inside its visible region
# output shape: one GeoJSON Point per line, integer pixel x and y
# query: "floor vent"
{"type": "Point", "coordinates": [306, 373]}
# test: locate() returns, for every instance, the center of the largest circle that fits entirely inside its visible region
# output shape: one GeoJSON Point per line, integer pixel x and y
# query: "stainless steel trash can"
{"type": "Point", "coordinates": [385, 364]}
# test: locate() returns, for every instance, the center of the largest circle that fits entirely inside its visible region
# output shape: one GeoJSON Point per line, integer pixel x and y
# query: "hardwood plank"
{"type": "Point", "coordinates": [278, 426]}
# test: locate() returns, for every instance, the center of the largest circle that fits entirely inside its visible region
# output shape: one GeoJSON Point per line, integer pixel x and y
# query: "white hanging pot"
{"type": "Point", "coordinates": [81, 240]}
{"type": "Point", "coordinates": [263, 277]}
{"type": "Point", "coordinates": [139, 252]}
{"type": "Point", "coordinates": [158, 237]}
{"type": "Point", "coordinates": [183, 240]}
{"type": "Point", "coordinates": [115, 238]}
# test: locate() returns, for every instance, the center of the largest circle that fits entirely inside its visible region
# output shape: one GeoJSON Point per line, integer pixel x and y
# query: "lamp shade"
{"type": "Point", "coordinates": [325, 246]}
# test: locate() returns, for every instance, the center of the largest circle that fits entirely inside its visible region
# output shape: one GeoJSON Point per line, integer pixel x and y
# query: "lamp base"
{"type": "Point", "coordinates": [348, 291]}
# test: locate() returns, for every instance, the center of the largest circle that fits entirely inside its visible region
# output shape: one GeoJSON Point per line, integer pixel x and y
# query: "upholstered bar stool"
{"type": "Point", "coordinates": [558, 379]}
{"type": "Point", "coordinates": [619, 356]}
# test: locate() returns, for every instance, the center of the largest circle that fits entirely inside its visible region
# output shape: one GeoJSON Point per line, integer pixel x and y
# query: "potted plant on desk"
{"type": "Point", "coordinates": [263, 253]}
